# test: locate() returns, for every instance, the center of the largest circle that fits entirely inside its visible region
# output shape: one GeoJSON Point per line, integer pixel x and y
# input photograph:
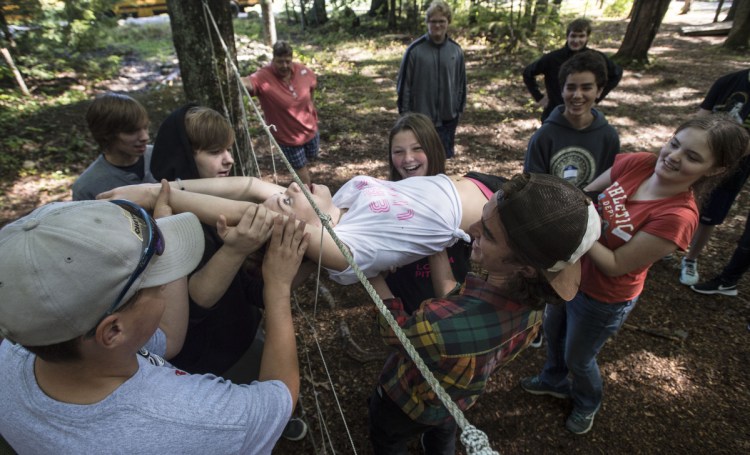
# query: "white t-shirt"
{"type": "Point", "coordinates": [390, 224]}
{"type": "Point", "coordinates": [158, 410]}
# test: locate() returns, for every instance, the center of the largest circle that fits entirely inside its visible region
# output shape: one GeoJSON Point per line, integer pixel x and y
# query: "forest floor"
{"type": "Point", "coordinates": [676, 379]}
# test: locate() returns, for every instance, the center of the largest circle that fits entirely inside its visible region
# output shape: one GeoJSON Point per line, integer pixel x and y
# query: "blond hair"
{"type": "Point", "coordinates": [207, 129]}
{"type": "Point", "coordinates": [439, 6]}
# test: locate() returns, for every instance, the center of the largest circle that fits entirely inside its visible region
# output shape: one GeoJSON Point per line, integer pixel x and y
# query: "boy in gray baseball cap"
{"type": "Point", "coordinates": [92, 296]}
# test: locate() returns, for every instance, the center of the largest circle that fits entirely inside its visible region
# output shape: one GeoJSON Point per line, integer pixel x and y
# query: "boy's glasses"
{"type": "Point", "coordinates": [153, 244]}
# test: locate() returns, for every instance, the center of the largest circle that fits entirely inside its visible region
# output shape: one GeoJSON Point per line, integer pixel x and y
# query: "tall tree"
{"type": "Point", "coordinates": [320, 16]}
{"type": "Point", "coordinates": [732, 11]}
{"type": "Point", "coordinates": [686, 7]}
{"type": "Point", "coordinates": [8, 58]}
{"type": "Point", "coordinates": [206, 77]}
{"type": "Point", "coordinates": [540, 9]}
{"type": "Point", "coordinates": [269, 22]}
{"type": "Point", "coordinates": [739, 36]}
{"type": "Point", "coordinates": [646, 18]}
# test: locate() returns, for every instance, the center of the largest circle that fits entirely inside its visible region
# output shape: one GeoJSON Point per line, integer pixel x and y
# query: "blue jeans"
{"type": "Point", "coordinates": [447, 133]}
{"type": "Point", "coordinates": [391, 429]}
{"type": "Point", "coordinates": [575, 333]}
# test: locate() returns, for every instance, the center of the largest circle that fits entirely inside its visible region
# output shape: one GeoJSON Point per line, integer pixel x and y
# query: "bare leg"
{"type": "Point", "coordinates": [700, 239]}
{"type": "Point", "coordinates": [304, 175]}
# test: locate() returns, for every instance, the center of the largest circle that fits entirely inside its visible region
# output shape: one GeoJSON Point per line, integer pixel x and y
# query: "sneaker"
{"type": "Point", "coordinates": [295, 430]}
{"type": "Point", "coordinates": [580, 422]}
{"type": "Point", "coordinates": [535, 386]}
{"type": "Point", "coordinates": [537, 343]}
{"type": "Point", "coordinates": [689, 272]}
{"type": "Point", "coordinates": [715, 286]}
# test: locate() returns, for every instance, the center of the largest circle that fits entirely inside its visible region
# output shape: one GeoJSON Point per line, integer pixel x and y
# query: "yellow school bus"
{"type": "Point", "coordinates": [16, 12]}
{"type": "Point", "coordinates": [145, 8]}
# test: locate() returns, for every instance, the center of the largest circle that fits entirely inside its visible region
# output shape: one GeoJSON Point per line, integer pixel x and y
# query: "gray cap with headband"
{"type": "Point", "coordinates": [550, 225]}
{"type": "Point", "coordinates": [64, 265]}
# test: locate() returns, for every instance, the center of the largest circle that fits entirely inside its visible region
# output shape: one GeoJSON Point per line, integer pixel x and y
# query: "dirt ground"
{"type": "Point", "coordinates": [676, 379]}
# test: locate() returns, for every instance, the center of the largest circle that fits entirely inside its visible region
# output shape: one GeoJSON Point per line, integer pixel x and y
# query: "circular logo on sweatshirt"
{"type": "Point", "coordinates": [574, 164]}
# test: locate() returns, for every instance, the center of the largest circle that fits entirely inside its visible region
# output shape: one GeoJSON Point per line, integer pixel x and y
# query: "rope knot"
{"type": "Point", "coordinates": [476, 442]}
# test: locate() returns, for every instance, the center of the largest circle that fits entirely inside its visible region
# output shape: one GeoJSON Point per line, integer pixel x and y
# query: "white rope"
{"type": "Point", "coordinates": [327, 372]}
{"type": "Point", "coordinates": [229, 64]}
{"type": "Point", "coordinates": [479, 444]}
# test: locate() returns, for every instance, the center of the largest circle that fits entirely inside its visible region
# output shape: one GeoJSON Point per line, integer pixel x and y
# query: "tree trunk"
{"type": "Point", "coordinates": [473, 12]}
{"type": "Point", "coordinates": [302, 17]}
{"type": "Point", "coordinates": [378, 8]}
{"type": "Point", "coordinates": [16, 73]}
{"type": "Point", "coordinates": [6, 31]}
{"type": "Point", "coordinates": [413, 16]}
{"type": "Point", "coordinates": [319, 12]}
{"type": "Point", "coordinates": [269, 22]}
{"type": "Point", "coordinates": [207, 76]}
{"type": "Point", "coordinates": [739, 36]}
{"type": "Point", "coordinates": [718, 9]}
{"type": "Point", "coordinates": [540, 9]}
{"type": "Point", "coordinates": [528, 6]}
{"type": "Point", "coordinates": [642, 28]}
{"type": "Point", "coordinates": [686, 7]}
{"type": "Point", "coordinates": [732, 11]}
{"type": "Point", "coordinates": [8, 58]}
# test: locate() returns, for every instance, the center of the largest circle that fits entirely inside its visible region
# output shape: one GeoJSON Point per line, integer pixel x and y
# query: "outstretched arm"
{"type": "Point", "coordinates": [600, 183]}
{"type": "Point", "coordinates": [238, 188]}
{"type": "Point", "coordinates": [285, 251]}
{"type": "Point", "coordinates": [642, 250]}
{"type": "Point", "coordinates": [209, 209]}
{"type": "Point", "coordinates": [235, 188]}
{"type": "Point", "coordinates": [248, 83]}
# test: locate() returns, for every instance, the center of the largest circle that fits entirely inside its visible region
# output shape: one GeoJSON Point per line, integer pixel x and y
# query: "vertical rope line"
{"type": "Point", "coordinates": [327, 372]}
{"type": "Point", "coordinates": [230, 69]}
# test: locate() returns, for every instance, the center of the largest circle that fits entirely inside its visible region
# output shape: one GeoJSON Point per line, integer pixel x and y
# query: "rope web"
{"type": "Point", "coordinates": [475, 441]}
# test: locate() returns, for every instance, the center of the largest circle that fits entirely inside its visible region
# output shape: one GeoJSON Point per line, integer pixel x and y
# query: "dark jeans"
{"type": "Point", "coordinates": [447, 133]}
{"type": "Point", "coordinates": [391, 429]}
{"type": "Point", "coordinates": [575, 332]}
{"type": "Point", "coordinates": [740, 261]}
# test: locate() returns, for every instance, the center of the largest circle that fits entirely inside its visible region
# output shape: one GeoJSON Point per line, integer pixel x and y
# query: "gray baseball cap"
{"type": "Point", "coordinates": [66, 264]}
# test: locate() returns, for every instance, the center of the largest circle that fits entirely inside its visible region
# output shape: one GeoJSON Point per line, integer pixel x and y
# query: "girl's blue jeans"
{"type": "Point", "coordinates": [575, 332]}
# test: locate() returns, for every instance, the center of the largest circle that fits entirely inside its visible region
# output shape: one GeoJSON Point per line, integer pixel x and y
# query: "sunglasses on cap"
{"type": "Point", "coordinates": [153, 244]}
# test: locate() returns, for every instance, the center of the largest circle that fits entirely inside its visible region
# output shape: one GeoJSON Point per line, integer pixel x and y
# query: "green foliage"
{"type": "Point", "coordinates": [151, 42]}
{"type": "Point", "coordinates": [251, 26]}
{"type": "Point", "coordinates": [65, 37]}
{"type": "Point", "coordinates": [511, 28]}
{"type": "Point", "coordinates": [27, 148]}
{"type": "Point", "coordinates": [618, 8]}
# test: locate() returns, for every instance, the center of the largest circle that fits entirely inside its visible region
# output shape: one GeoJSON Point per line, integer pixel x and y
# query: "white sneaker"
{"type": "Point", "coordinates": [689, 272]}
